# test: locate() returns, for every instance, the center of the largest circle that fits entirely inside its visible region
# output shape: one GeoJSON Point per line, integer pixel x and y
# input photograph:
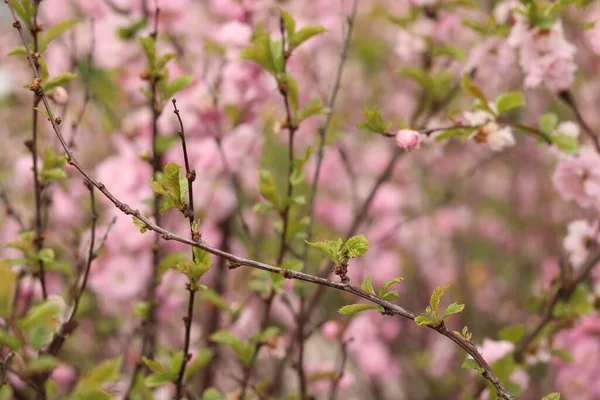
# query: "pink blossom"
{"type": "Point", "coordinates": [59, 96]}
{"type": "Point", "coordinates": [578, 178]}
{"type": "Point", "coordinates": [408, 139]}
{"type": "Point", "coordinates": [578, 240]}
{"type": "Point", "coordinates": [331, 330]}
{"type": "Point", "coordinates": [121, 277]}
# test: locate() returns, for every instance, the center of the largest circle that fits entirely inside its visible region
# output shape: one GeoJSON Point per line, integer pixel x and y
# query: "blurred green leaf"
{"type": "Point", "coordinates": [356, 308]}
{"type": "Point", "coordinates": [357, 246]}
{"type": "Point", "coordinates": [367, 286]}
{"type": "Point", "coordinates": [507, 101]}
{"type": "Point", "coordinates": [53, 33]}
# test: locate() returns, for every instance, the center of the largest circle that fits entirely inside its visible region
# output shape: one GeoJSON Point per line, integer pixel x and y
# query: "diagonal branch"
{"type": "Point", "coordinates": [236, 261]}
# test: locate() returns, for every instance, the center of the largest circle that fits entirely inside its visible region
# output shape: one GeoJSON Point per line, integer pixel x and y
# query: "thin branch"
{"type": "Point", "coordinates": [236, 261]}
{"type": "Point", "coordinates": [69, 325]}
{"type": "Point", "coordinates": [340, 374]}
{"type": "Point", "coordinates": [11, 211]}
{"type": "Point", "coordinates": [563, 292]}
{"type": "Point", "coordinates": [285, 214]}
{"type": "Point", "coordinates": [325, 128]}
{"type": "Point", "coordinates": [569, 99]}
{"type": "Point", "coordinates": [88, 86]}
{"type": "Point", "coordinates": [189, 213]}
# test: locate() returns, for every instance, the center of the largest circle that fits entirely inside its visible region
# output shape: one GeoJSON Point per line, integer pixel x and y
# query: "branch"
{"type": "Point", "coordinates": [236, 261]}
{"type": "Point", "coordinates": [562, 293]}
{"type": "Point", "coordinates": [568, 98]}
{"type": "Point", "coordinates": [187, 320]}
{"type": "Point", "coordinates": [11, 211]}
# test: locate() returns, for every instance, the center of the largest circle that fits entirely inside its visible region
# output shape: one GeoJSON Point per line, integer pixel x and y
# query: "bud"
{"type": "Point", "coordinates": [408, 139]}
{"type": "Point", "coordinates": [59, 96]}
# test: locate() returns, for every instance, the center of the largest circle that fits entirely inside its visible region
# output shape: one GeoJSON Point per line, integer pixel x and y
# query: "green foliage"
{"type": "Point", "coordinates": [53, 33]}
{"type": "Point", "coordinates": [261, 52]}
{"type": "Point", "coordinates": [367, 286]}
{"type": "Point", "coordinates": [243, 350]}
{"type": "Point", "coordinates": [176, 85]}
{"type": "Point", "coordinates": [513, 333]}
{"type": "Point", "coordinates": [465, 334]}
{"type": "Point", "coordinates": [7, 287]}
{"type": "Point", "coordinates": [129, 32]}
{"type": "Point", "coordinates": [267, 188]}
{"type": "Point", "coordinates": [507, 101]}
{"type": "Point", "coordinates": [212, 394]}
{"type": "Point", "coordinates": [200, 360]}
{"type": "Point", "coordinates": [40, 322]}
{"type": "Point", "coordinates": [140, 224]}
{"type": "Point", "coordinates": [548, 122]}
{"type": "Point", "coordinates": [52, 166]}
{"type": "Point", "coordinates": [297, 175]}
{"type": "Point", "coordinates": [470, 363]}
{"type": "Point", "coordinates": [552, 396]}
{"type": "Point", "coordinates": [313, 107]}
{"type": "Point", "coordinates": [374, 121]}
{"type": "Point", "coordinates": [340, 252]}
{"type": "Point", "coordinates": [163, 374]}
{"type": "Point", "coordinates": [171, 183]}
{"type": "Point", "coordinates": [296, 38]}
{"type": "Point", "coordinates": [431, 314]}
{"type": "Point", "coordinates": [58, 81]}
{"type": "Point", "coordinates": [194, 270]}
{"type": "Point", "coordinates": [356, 308]}
{"type": "Point", "coordinates": [90, 385]}
{"type": "Point", "coordinates": [565, 143]}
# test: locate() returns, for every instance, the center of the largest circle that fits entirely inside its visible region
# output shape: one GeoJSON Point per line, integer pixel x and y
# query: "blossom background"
{"type": "Point", "coordinates": [502, 217]}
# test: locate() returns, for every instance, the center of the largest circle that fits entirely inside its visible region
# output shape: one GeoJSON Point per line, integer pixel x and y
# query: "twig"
{"type": "Point", "coordinates": [340, 375]}
{"type": "Point", "coordinates": [189, 213]}
{"type": "Point", "coordinates": [11, 211]}
{"type": "Point", "coordinates": [88, 86]}
{"type": "Point", "coordinates": [32, 145]}
{"type": "Point", "coordinates": [391, 309]}
{"type": "Point", "coordinates": [69, 325]}
{"type": "Point", "coordinates": [285, 214]}
{"type": "Point", "coordinates": [563, 292]}
{"type": "Point", "coordinates": [568, 98]}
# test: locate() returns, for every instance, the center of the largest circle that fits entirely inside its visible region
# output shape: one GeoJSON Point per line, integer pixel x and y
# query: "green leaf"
{"type": "Point", "coordinates": [212, 394]}
{"type": "Point", "coordinates": [453, 308]}
{"type": "Point", "coordinates": [504, 366]}
{"type": "Point", "coordinates": [9, 340]}
{"type": "Point", "coordinates": [470, 88]}
{"type": "Point", "coordinates": [565, 143]}
{"type": "Point", "coordinates": [392, 295]}
{"type": "Point", "coordinates": [202, 263]}
{"type": "Point", "coordinates": [129, 32]}
{"type": "Point", "coordinates": [260, 52]}
{"type": "Point", "coordinates": [59, 81]}
{"type": "Point", "coordinates": [304, 34]}
{"type": "Point", "coordinates": [357, 246]}
{"type": "Point", "coordinates": [548, 122]}
{"type": "Point", "coordinates": [289, 23]}
{"type": "Point", "coordinates": [200, 360]}
{"type": "Point", "coordinates": [292, 92]}
{"type": "Point", "coordinates": [149, 48]}
{"type": "Point", "coordinates": [552, 396]}
{"type": "Point", "coordinates": [154, 365]}
{"type": "Point", "coordinates": [512, 333]}
{"type": "Point", "coordinates": [107, 371]}
{"type": "Point", "coordinates": [7, 287]}
{"type": "Point", "coordinates": [387, 285]}
{"type": "Point", "coordinates": [19, 50]}
{"type": "Point", "coordinates": [54, 174]}
{"type": "Point", "coordinates": [43, 363]}
{"type": "Point", "coordinates": [436, 296]}
{"type": "Point", "coordinates": [470, 363]}
{"type": "Point", "coordinates": [510, 100]}
{"type": "Point", "coordinates": [356, 308]}
{"type": "Point", "coordinates": [140, 224]}
{"type": "Point", "coordinates": [156, 380]}
{"type": "Point", "coordinates": [175, 364]}
{"type": "Point", "coordinates": [54, 32]}
{"type": "Point", "coordinates": [374, 122]}
{"type": "Point", "coordinates": [225, 337]}
{"type": "Point", "coordinates": [46, 255]}
{"type": "Point", "coordinates": [313, 107]}
{"type": "Point", "coordinates": [331, 248]}
{"type": "Point", "coordinates": [421, 320]}
{"type": "Point", "coordinates": [367, 286]}
{"type": "Point", "coordinates": [41, 313]}
{"type": "Point", "coordinates": [177, 84]}
{"type": "Point", "coordinates": [267, 188]}
{"type": "Point", "coordinates": [418, 75]}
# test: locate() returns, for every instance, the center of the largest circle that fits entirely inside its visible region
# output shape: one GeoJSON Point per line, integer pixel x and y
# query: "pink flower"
{"type": "Point", "coordinates": [578, 178]}
{"type": "Point", "coordinates": [331, 329]}
{"type": "Point", "coordinates": [576, 243]}
{"type": "Point", "coordinates": [408, 139]}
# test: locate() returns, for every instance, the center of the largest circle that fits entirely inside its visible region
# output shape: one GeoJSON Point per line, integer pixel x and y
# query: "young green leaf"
{"type": "Point", "coordinates": [54, 32]}
{"type": "Point", "coordinates": [453, 308]}
{"type": "Point", "coordinates": [374, 122]}
{"type": "Point", "coordinates": [470, 363]}
{"type": "Point", "coordinates": [304, 34]}
{"type": "Point", "coordinates": [436, 296]}
{"type": "Point", "coordinates": [565, 143]}
{"type": "Point", "coordinates": [212, 394]}
{"type": "Point", "coordinates": [387, 285]}
{"type": "Point", "coordinates": [367, 286]}
{"type": "Point", "coordinates": [177, 84]}
{"type": "Point", "coordinates": [422, 320]}
{"type": "Point", "coordinates": [313, 107]}
{"type": "Point", "coordinates": [552, 396]}
{"type": "Point", "coordinates": [331, 248]}
{"type": "Point", "coordinates": [140, 224]}
{"type": "Point", "coordinates": [548, 122]}
{"type": "Point", "coordinates": [513, 333]}
{"type": "Point", "coordinates": [59, 81]}
{"type": "Point", "coordinates": [7, 287]}
{"type": "Point", "coordinates": [267, 188]}
{"type": "Point", "coordinates": [356, 308]}
{"type": "Point", "coordinates": [357, 246]}
{"type": "Point", "coordinates": [507, 101]}
{"type": "Point", "coordinates": [149, 48]}
{"type": "Point", "coordinates": [154, 365]}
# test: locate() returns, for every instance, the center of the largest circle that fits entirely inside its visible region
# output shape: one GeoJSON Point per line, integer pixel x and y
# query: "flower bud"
{"type": "Point", "coordinates": [59, 96]}
{"type": "Point", "coordinates": [407, 139]}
